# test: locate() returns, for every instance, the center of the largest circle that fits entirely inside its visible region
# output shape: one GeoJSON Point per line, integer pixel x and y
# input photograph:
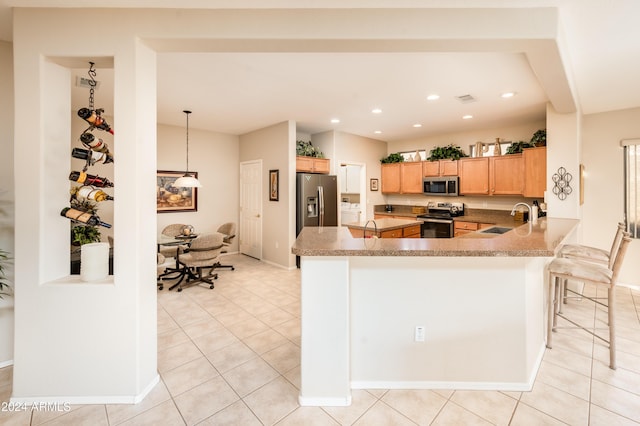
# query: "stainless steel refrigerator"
{"type": "Point", "coordinates": [316, 200]}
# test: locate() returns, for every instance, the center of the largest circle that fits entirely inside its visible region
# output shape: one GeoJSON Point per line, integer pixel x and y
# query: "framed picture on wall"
{"type": "Point", "coordinates": [274, 185]}
{"type": "Point", "coordinates": [373, 184]}
{"type": "Point", "coordinates": [170, 198]}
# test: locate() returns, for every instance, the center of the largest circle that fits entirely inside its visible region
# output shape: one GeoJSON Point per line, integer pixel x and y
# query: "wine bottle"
{"type": "Point", "coordinates": [90, 141]}
{"type": "Point", "coordinates": [83, 217]}
{"type": "Point", "coordinates": [92, 157]}
{"type": "Point", "coordinates": [94, 118]}
{"type": "Point", "coordinates": [90, 193]}
{"type": "Point", "coordinates": [87, 179]}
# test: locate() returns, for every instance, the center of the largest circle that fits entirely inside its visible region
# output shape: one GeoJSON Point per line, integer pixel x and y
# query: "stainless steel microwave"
{"type": "Point", "coordinates": [446, 185]}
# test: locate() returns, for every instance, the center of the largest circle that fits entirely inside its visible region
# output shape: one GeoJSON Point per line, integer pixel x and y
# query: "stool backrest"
{"type": "Point", "coordinates": [619, 256]}
{"type": "Point", "coordinates": [616, 243]}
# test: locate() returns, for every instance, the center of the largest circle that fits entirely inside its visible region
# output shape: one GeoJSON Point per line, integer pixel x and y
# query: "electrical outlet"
{"type": "Point", "coordinates": [419, 333]}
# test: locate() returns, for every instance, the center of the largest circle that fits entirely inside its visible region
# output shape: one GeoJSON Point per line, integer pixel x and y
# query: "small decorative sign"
{"type": "Point", "coordinates": [170, 198]}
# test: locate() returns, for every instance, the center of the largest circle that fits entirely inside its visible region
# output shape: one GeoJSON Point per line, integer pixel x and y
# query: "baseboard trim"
{"type": "Point", "coordinates": [65, 401]}
{"type": "Point", "coordinates": [324, 402]}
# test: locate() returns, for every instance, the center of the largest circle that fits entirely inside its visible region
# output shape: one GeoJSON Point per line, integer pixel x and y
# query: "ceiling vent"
{"type": "Point", "coordinates": [85, 82]}
{"type": "Point", "coordinates": [465, 99]}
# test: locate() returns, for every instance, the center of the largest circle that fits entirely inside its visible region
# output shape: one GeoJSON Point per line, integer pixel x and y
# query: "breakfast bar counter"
{"type": "Point", "coordinates": [480, 303]}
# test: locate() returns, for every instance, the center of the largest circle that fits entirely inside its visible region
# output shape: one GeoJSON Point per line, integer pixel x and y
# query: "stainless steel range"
{"type": "Point", "coordinates": [438, 221]}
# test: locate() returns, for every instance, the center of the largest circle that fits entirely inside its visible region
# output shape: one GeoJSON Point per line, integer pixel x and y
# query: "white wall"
{"type": "Point", "coordinates": [604, 179]}
{"type": "Point", "coordinates": [7, 216]}
{"type": "Point", "coordinates": [275, 146]}
{"type": "Point", "coordinates": [215, 156]}
{"type": "Point", "coordinates": [64, 328]}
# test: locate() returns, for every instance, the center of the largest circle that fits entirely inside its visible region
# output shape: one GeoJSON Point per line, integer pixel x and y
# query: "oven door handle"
{"type": "Point", "coordinates": [437, 220]}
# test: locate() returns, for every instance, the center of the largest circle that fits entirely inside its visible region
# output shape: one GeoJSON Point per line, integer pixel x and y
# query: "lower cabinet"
{"type": "Point", "coordinates": [411, 231]}
{"type": "Point", "coordinates": [461, 228]}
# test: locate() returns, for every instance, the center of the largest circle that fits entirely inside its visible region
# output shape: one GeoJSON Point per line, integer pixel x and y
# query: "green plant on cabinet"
{"type": "Point", "coordinates": [306, 149]}
{"type": "Point", "coordinates": [449, 152]}
{"type": "Point", "coordinates": [392, 158]}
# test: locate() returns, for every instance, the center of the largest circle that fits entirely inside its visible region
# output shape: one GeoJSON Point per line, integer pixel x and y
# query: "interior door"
{"type": "Point", "coordinates": [250, 232]}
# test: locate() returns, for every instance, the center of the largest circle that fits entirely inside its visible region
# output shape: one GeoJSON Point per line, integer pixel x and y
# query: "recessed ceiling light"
{"type": "Point", "coordinates": [335, 120]}
{"type": "Point", "coordinates": [433, 97]}
{"type": "Point", "coordinates": [467, 117]}
{"type": "Point", "coordinates": [376, 111]}
{"type": "Point", "coordinates": [417, 125]}
{"type": "Point", "coordinates": [377, 132]}
{"type": "Point", "coordinates": [508, 95]}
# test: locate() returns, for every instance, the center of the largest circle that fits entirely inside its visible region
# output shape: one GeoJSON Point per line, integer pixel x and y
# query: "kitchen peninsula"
{"type": "Point", "coordinates": [480, 302]}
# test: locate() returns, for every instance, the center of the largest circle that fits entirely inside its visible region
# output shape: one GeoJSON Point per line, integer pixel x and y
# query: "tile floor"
{"type": "Point", "coordinates": [231, 356]}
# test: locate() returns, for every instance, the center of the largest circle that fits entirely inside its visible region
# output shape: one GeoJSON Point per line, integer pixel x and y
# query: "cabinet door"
{"type": "Point", "coordinates": [411, 178]}
{"type": "Point", "coordinates": [412, 231]}
{"type": "Point", "coordinates": [321, 165]}
{"type": "Point", "coordinates": [430, 168]}
{"type": "Point", "coordinates": [304, 164]}
{"type": "Point", "coordinates": [535, 171]}
{"type": "Point", "coordinates": [390, 177]}
{"type": "Point", "coordinates": [474, 175]}
{"type": "Point", "coordinates": [506, 175]}
{"type": "Point", "coordinates": [448, 167]}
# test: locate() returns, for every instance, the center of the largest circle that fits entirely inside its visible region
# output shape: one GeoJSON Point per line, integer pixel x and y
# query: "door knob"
{"type": "Point", "coordinates": [258, 215]}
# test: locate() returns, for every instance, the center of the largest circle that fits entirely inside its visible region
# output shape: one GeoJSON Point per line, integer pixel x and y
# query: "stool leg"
{"type": "Point", "coordinates": [612, 328]}
{"type": "Point", "coordinates": [551, 309]}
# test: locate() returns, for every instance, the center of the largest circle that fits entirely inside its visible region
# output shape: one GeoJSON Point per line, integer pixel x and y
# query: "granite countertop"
{"type": "Point", "coordinates": [383, 224]}
{"type": "Point", "coordinates": [539, 240]}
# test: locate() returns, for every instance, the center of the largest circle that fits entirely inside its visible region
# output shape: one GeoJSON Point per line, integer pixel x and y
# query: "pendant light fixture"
{"type": "Point", "coordinates": [188, 180]}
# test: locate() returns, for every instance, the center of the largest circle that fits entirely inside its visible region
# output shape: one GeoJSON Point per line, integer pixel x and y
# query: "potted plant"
{"type": "Point", "coordinates": [84, 234]}
{"type": "Point", "coordinates": [4, 285]}
{"type": "Point", "coordinates": [306, 149]}
{"type": "Point", "coordinates": [539, 138]}
{"type": "Point", "coordinates": [392, 158]}
{"type": "Point", "coordinates": [518, 146]}
{"type": "Point", "coordinates": [449, 152]}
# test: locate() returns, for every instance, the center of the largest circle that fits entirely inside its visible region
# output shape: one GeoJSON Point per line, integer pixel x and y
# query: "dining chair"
{"type": "Point", "coordinates": [229, 231]}
{"type": "Point", "coordinates": [601, 276]}
{"type": "Point", "coordinates": [203, 254]}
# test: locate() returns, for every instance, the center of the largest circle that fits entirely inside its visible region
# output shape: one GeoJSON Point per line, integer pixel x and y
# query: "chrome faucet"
{"type": "Point", "coordinates": [375, 227]}
{"type": "Point", "coordinates": [513, 211]}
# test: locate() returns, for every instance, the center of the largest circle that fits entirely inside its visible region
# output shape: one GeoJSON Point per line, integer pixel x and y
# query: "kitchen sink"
{"type": "Point", "coordinates": [495, 230]}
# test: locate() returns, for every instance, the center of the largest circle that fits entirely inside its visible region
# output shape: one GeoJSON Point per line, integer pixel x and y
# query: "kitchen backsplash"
{"type": "Point", "coordinates": [492, 203]}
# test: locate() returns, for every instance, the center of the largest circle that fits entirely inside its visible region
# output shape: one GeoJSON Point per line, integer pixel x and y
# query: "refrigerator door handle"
{"type": "Point", "coordinates": [321, 205]}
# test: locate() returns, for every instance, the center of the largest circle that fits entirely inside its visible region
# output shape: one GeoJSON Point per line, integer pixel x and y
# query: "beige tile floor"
{"type": "Point", "coordinates": [231, 356]}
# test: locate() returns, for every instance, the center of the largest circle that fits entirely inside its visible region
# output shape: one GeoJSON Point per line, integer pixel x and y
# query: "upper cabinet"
{"type": "Point", "coordinates": [506, 175]}
{"type": "Point", "coordinates": [402, 178]}
{"type": "Point", "coordinates": [535, 171]}
{"type": "Point", "coordinates": [312, 165]}
{"type": "Point", "coordinates": [440, 168]}
{"type": "Point", "coordinates": [515, 174]}
{"type": "Point", "coordinates": [474, 176]}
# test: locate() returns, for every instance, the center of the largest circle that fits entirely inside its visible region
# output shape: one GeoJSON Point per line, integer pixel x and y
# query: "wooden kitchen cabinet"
{"type": "Point", "coordinates": [535, 171]}
{"type": "Point", "coordinates": [411, 178]}
{"type": "Point", "coordinates": [461, 228]}
{"type": "Point", "coordinates": [401, 178]}
{"type": "Point", "coordinates": [412, 231]}
{"type": "Point", "coordinates": [474, 176]}
{"type": "Point", "coordinates": [440, 168]}
{"type": "Point", "coordinates": [390, 178]}
{"type": "Point", "coordinates": [313, 165]}
{"type": "Point", "coordinates": [506, 175]}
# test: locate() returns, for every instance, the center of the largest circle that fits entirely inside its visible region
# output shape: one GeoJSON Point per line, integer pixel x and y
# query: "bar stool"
{"type": "Point", "coordinates": [589, 254]}
{"type": "Point", "coordinates": [592, 254]}
{"type": "Point", "coordinates": [562, 269]}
